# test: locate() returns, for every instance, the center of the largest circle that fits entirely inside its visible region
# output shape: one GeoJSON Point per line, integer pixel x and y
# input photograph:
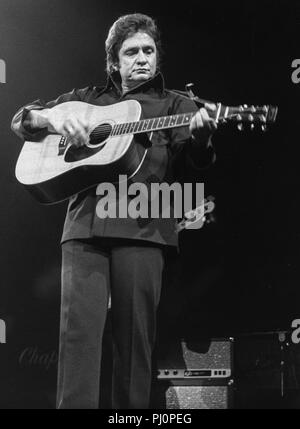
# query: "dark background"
{"type": "Point", "coordinates": [241, 273]}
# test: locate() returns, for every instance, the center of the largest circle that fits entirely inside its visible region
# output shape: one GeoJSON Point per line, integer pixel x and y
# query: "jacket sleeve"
{"type": "Point", "coordinates": [21, 125]}
{"type": "Point", "coordinates": [185, 150]}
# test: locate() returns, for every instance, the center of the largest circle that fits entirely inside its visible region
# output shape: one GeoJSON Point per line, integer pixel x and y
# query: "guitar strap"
{"type": "Point", "coordinates": [201, 102]}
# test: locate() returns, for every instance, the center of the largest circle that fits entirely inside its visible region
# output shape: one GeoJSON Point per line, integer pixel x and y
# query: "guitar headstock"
{"type": "Point", "coordinates": [195, 218]}
{"type": "Point", "coordinates": [255, 116]}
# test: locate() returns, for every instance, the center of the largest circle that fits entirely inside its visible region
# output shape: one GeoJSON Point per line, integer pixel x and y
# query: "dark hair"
{"type": "Point", "coordinates": [125, 27]}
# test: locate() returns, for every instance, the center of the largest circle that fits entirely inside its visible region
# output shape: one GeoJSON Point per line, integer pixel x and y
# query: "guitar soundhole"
{"type": "Point", "coordinates": [100, 134]}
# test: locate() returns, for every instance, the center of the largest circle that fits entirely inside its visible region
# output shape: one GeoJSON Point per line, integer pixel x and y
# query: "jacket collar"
{"type": "Point", "coordinates": [114, 82]}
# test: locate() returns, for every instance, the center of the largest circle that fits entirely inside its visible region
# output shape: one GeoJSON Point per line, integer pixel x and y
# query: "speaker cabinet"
{"type": "Point", "coordinates": [197, 395]}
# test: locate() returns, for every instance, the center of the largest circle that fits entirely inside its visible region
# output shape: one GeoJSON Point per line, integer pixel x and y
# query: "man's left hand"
{"type": "Point", "coordinates": [202, 127]}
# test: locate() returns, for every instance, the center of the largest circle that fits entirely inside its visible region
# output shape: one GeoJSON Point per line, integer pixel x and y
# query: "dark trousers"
{"type": "Point", "coordinates": [132, 274]}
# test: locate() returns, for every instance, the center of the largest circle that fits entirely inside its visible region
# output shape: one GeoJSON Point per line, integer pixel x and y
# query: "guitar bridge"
{"type": "Point", "coordinates": [62, 145]}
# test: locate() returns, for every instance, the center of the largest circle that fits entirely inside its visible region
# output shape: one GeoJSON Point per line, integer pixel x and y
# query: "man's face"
{"type": "Point", "coordinates": [137, 59]}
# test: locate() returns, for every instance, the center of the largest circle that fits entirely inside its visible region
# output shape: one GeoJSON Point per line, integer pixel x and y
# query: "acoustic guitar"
{"type": "Point", "coordinates": [53, 170]}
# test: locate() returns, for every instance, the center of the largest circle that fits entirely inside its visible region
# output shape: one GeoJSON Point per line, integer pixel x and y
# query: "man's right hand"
{"type": "Point", "coordinates": [71, 125]}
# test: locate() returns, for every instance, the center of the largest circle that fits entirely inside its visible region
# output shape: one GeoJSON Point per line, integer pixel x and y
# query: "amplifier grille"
{"type": "Point", "coordinates": [197, 397]}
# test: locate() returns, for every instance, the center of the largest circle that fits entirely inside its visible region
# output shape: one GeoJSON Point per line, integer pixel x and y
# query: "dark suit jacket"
{"type": "Point", "coordinates": [173, 154]}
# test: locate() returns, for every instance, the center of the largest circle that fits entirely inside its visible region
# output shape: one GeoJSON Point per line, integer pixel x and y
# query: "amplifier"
{"type": "Point", "coordinates": [194, 375]}
{"type": "Point", "coordinates": [195, 359]}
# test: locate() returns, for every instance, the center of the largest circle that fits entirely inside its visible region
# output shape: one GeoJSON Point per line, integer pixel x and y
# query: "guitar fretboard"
{"type": "Point", "coordinates": [252, 114]}
{"type": "Point", "coordinates": [152, 124]}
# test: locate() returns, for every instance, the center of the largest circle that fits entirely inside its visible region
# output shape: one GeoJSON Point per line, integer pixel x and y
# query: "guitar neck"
{"type": "Point", "coordinates": [241, 114]}
{"type": "Point", "coordinates": [153, 124]}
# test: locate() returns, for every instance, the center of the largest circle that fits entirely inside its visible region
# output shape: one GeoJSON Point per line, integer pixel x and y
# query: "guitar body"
{"type": "Point", "coordinates": [53, 170]}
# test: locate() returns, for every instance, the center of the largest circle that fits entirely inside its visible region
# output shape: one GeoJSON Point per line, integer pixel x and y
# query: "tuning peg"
{"type": "Point", "coordinates": [253, 109]}
{"type": "Point", "coordinates": [245, 106]}
{"type": "Point", "coordinates": [262, 118]}
{"type": "Point", "coordinates": [189, 86]}
{"type": "Point", "coordinates": [240, 127]}
{"type": "Point", "coordinates": [252, 126]}
{"type": "Point", "coordinates": [264, 128]}
{"type": "Point", "coordinates": [250, 118]}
